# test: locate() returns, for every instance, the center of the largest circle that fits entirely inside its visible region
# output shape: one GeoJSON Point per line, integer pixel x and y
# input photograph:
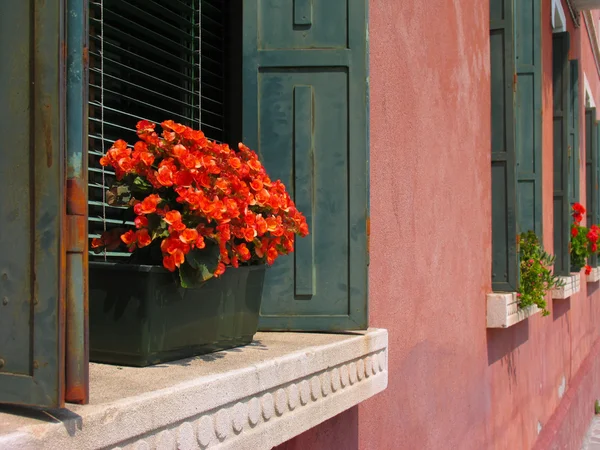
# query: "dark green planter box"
{"type": "Point", "coordinates": [139, 315]}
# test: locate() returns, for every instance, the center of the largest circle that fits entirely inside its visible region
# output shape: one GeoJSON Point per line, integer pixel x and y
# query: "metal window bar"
{"type": "Point", "coordinates": [149, 62]}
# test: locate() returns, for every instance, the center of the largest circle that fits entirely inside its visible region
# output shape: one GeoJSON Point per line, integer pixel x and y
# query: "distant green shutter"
{"type": "Point", "coordinates": [504, 215]}
{"type": "Point", "coordinates": [32, 260]}
{"type": "Point", "coordinates": [528, 115]}
{"type": "Point", "coordinates": [594, 218]}
{"type": "Point", "coordinates": [561, 104]}
{"type": "Point", "coordinates": [574, 152]}
{"type": "Point", "coordinates": [306, 113]}
{"type": "Point", "coordinates": [591, 170]}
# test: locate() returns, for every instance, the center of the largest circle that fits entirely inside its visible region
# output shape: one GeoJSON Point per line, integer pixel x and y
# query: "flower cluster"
{"type": "Point", "coordinates": [584, 241]}
{"type": "Point", "coordinates": [536, 277]}
{"type": "Point", "coordinates": [191, 193]}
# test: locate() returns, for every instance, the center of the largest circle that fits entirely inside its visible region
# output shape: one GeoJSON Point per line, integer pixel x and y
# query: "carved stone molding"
{"type": "Point", "coordinates": [574, 13]}
{"type": "Point", "coordinates": [593, 37]}
{"type": "Point", "coordinates": [256, 405]}
{"type": "Point", "coordinates": [260, 421]}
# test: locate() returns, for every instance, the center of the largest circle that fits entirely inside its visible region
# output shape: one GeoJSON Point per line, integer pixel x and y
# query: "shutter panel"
{"type": "Point", "coordinates": [595, 216]}
{"type": "Point", "coordinates": [591, 173]}
{"type": "Point", "coordinates": [504, 217]}
{"type": "Point", "coordinates": [528, 115]}
{"type": "Point", "coordinates": [574, 153]}
{"type": "Point", "coordinates": [305, 112]}
{"type": "Point", "coordinates": [32, 261]}
{"type": "Point", "coordinates": [561, 102]}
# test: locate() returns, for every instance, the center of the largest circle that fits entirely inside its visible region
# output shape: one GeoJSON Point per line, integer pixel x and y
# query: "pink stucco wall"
{"type": "Point", "coordinates": [453, 383]}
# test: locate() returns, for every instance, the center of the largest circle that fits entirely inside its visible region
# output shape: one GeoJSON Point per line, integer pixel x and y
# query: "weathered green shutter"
{"type": "Point", "coordinates": [574, 158]}
{"type": "Point", "coordinates": [528, 115]}
{"type": "Point", "coordinates": [32, 207]}
{"type": "Point", "coordinates": [306, 113]}
{"type": "Point", "coordinates": [594, 218]}
{"type": "Point", "coordinates": [591, 172]}
{"type": "Point", "coordinates": [504, 217]}
{"type": "Point", "coordinates": [561, 103]}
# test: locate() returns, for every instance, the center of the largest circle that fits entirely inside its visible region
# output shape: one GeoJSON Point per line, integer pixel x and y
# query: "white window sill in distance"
{"type": "Point", "coordinates": [572, 285]}
{"type": "Point", "coordinates": [594, 275]}
{"type": "Point", "coordinates": [503, 310]}
{"type": "Point", "coordinates": [252, 397]}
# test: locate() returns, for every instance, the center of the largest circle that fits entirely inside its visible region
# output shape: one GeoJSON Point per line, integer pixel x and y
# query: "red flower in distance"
{"type": "Point", "coordinates": [579, 208]}
{"type": "Point", "coordinates": [578, 212]}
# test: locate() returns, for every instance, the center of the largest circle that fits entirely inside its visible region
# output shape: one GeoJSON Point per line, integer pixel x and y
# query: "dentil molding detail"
{"type": "Point", "coordinates": [258, 422]}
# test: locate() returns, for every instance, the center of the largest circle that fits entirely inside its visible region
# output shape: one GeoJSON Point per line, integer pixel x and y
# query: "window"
{"type": "Point", "coordinates": [297, 93]}
{"type": "Point", "coordinates": [515, 38]}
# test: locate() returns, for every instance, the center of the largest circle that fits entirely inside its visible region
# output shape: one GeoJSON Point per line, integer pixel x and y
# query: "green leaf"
{"type": "Point", "coordinates": [193, 278]}
{"type": "Point", "coordinates": [199, 266]}
{"type": "Point", "coordinates": [118, 195]}
{"type": "Point", "coordinates": [158, 228]}
{"type": "Point", "coordinates": [141, 185]}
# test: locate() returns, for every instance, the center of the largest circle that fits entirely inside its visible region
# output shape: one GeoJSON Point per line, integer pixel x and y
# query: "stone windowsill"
{"type": "Point", "coordinates": [503, 310]}
{"type": "Point", "coordinates": [253, 397]}
{"type": "Point", "coordinates": [572, 285]}
{"type": "Point", "coordinates": [594, 275]}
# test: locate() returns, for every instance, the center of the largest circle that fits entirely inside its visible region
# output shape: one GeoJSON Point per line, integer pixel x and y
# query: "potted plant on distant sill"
{"type": "Point", "coordinates": [584, 241]}
{"type": "Point", "coordinates": [536, 277]}
{"type": "Point", "coordinates": [213, 219]}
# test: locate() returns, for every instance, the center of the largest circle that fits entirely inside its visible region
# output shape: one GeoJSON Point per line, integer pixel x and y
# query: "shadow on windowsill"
{"type": "Point", "coordinates": [71, 421]}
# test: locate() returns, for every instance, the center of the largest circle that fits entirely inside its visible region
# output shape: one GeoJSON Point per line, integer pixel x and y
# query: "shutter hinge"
{"type": "Point", "coordinates": [514, 82]}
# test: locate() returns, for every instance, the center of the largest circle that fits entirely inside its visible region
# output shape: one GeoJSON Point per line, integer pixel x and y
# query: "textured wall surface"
{"type": "Point", "coordinates": [453, 383]}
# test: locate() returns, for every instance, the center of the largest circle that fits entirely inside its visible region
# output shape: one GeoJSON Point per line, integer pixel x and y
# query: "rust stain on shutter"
{"type": "Point", "coordinates": [77, 354]}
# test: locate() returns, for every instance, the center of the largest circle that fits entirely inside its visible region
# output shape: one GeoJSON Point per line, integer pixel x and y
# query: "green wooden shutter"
{"type": "Point", "coordinates": [594, 218]}
{"type": "Point", "coordinates": [591, 172]}
{"type": "Point", "coordinates": [306, 113]}
{"type": "Point", "coordinates": [574, 153]}
{"type": "Point", "coordinates": [504, 217]}
{"type": "Point", "coordinates": [32, 260]}
{"type": "Point", "coordinates": [528, 115]}
{"type": "Point", "coordinates": [561, 103]}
